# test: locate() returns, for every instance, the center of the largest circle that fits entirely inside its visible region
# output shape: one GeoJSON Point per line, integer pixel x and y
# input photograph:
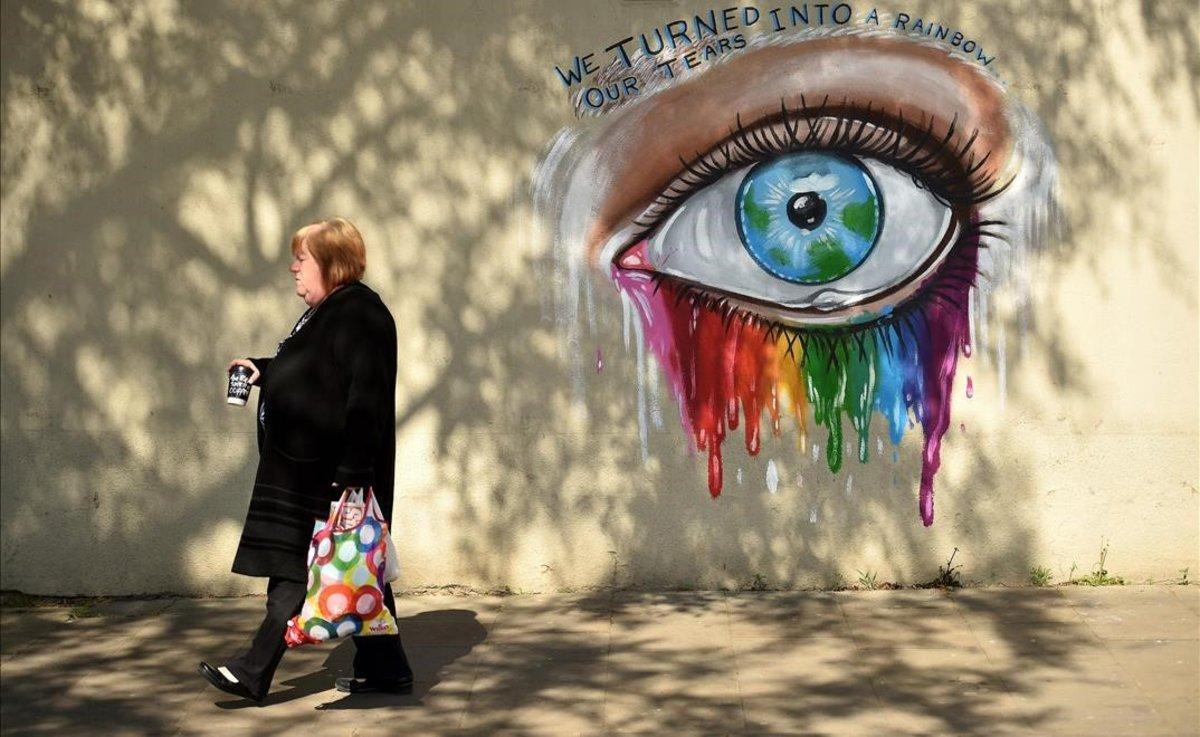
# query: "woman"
{"type": "Point", "coordinates": [326, 421]}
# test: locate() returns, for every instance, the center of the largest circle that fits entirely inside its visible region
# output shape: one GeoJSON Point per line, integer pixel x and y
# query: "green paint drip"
{"type": "Point", "coordinates": [829, 259]}
{"type": "Point", "coordinates": [825, 384]}
{"type": "Point", "coordinates": [757, 216]}
{"type": "Point", "coordinates": [861, 218]}
{"type": "Point", "coordinates": [860, 391]}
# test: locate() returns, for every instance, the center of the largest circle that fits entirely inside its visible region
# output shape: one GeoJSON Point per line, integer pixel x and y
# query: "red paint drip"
{"type": "Point", "coordinates": [709, 400]}
{"type": "Point", "coordinates": [724, 365]}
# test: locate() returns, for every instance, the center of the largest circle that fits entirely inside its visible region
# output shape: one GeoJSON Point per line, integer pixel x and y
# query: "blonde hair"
{"type": "Point", "coordinates": [337, 247]}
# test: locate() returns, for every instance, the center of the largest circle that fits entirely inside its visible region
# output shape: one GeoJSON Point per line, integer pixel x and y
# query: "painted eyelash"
{"type": "Point", "coordinates": [905, 323]}
{"type": "Point", "coordinates": [946, 165]}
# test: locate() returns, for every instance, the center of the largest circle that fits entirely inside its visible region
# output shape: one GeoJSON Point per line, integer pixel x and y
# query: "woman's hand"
{"type": "Point", "coordinates": [248, 364]}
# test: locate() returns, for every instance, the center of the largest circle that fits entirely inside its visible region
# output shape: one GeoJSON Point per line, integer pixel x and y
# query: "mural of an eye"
{"type": "Point", "coordinates": [804, 236]}
{"type": "Point", "coordinates": [804, 232]}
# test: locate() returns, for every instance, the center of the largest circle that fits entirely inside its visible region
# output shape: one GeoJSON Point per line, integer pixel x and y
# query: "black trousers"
{"type": "Point", "coordinates": [377, 656]}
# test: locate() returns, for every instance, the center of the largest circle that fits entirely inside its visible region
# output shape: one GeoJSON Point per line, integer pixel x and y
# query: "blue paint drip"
{"type": "Point", "coordinates": [899, 377]}
{"type": "Point", "coordinates": [889, 383]}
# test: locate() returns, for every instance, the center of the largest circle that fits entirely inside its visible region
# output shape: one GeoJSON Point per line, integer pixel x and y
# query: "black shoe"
{"type": "Point", "coordinates": [218, 679]}
{"type": "Point", "coordinates": [372, 685]}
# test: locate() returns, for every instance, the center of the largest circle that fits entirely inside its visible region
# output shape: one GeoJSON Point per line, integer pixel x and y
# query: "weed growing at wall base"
{"type": "Point", "coordinates": [1040, 576]}
{"type": "Point", "coordinates": [947, 577]}
{"type": "Point", "coordinates": [1099, 575]}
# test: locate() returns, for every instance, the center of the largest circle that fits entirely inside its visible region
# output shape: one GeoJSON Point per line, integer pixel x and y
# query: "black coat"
{"type": "Point", "coordinates": [327, 413]}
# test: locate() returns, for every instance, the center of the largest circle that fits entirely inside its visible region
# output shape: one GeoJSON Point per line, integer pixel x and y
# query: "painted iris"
{"type": "Point", "coordinates": [809, 218]}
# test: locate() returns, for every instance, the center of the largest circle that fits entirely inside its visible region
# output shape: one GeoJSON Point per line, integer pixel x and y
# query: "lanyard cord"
{"type": "Point", "coordinates": [296, 328]}
{"type": "Point", "coordinates": [305, 318]}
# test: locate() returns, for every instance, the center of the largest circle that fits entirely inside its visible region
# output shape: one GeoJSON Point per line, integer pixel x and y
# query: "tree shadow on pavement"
{"type": "Point", "coordinates": [159, 156]}
{"type": "Point", "coordinates": [914, 661]}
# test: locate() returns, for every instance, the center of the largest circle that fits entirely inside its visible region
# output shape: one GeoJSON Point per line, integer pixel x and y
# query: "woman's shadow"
{"type": "Point", "coordinates": [432, 641]}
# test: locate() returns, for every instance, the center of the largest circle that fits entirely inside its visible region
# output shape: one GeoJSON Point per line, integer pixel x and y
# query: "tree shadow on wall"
{"type": "Point", "coordinates": [128, 283]}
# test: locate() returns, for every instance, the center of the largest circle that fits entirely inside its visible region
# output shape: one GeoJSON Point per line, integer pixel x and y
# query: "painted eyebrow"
{"type": "Point", "coordinates": [640, 149]}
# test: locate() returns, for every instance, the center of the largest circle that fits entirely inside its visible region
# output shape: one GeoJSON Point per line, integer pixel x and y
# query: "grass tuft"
{"type": "Point", "coordinates": [1040, 576]}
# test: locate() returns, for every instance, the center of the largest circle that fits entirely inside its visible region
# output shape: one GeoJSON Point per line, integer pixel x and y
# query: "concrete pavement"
{"type": "Point", "coordinates": [1119, 660]}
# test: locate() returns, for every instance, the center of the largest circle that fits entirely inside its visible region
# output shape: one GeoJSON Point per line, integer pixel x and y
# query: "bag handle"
{"type": "Point", "coordinates": [373, 505]}
{"type": "Point", "coordinates": [336, 514]}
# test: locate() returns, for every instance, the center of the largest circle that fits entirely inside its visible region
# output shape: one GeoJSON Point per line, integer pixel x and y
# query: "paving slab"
{"type": "Point", "coordinates": [565, 696]}
{"type": "Point", "coordinates": [1165, 671]}
{"type": "Point", "coordinates": [786, 615]}
{"type": "Point", "coordinates": [1051, 661]}
{"type": "Point", "coordinates": [1189, 595]}
{"type": "Point", "coordinates": [1134, 612]}
{"type": "Point", "coordinates": [907, 618]}
{"type": "Point", "coordinates": [815, 684]}
{"type": "Point", "coordinates": [20, 628]}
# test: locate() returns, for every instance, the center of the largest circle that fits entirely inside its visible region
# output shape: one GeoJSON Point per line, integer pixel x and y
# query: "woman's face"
{"type": "Point", "coordinates": [310, 284]}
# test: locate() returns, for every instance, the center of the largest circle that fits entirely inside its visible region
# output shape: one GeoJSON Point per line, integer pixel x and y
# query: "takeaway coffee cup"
{"type": "Point", "coordinates": [239, 386]}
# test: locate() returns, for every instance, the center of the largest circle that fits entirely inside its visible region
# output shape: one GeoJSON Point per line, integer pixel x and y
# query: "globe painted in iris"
{"type": "Point", "coordinates": [809, 218]}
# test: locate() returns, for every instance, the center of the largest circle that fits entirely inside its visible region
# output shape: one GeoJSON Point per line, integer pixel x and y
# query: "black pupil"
{"type": "Point", "coordinates": [806, 210]}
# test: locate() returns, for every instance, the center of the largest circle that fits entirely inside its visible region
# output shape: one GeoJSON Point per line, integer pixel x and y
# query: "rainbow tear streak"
{"type": "Point", "coordinates": [726, 367]}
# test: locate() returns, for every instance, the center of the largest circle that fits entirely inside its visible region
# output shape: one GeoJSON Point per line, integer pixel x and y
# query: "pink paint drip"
{"type": "Point", "coordinates": [970, 388]}
{"type": "Point", "coordinates": [657, 333]}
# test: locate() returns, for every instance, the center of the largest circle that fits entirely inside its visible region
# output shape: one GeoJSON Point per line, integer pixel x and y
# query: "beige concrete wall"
{"type": "Point", "coordinates": [156, 156]}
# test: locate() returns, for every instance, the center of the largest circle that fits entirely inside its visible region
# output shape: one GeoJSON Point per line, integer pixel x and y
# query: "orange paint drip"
{"type": "Point", "coordinates": [752, 382]}
{"type": "Point", "coordinates": [792, 382]}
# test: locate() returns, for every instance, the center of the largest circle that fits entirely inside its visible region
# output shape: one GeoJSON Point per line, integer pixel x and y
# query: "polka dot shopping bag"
{"type": "Point", "coordinates": [350, 559]}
